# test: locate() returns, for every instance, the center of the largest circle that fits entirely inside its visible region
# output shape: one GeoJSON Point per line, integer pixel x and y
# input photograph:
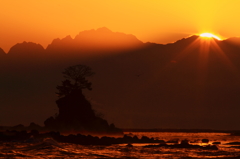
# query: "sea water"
{"type": "Point", "coordinates": [228, 147]}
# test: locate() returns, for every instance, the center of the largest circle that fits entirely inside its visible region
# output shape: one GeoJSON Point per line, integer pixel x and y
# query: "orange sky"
{"type": "Point", "coordinates": [160, 21]}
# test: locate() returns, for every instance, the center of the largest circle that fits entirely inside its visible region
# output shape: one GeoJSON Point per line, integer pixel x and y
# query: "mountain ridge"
{"type": "Point", "coordinates": [97, 40]}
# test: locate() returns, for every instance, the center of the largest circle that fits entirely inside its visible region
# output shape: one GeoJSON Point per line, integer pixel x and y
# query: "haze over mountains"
{"type": "Point", "coordinates": [192, 83]}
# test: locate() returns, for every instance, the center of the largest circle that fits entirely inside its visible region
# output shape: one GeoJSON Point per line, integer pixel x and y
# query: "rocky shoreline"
{"type": "Point", "coordinates": [34, 137]}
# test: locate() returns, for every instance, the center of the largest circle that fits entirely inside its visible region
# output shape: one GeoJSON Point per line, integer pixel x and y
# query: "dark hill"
{"type": "Point", "coordinates": [61, 45]}
{"type": "Point", "coordinates": [233, 40]}
{"type": "Point", "coordinates": [187, 84]}
{"type": "Point", "coordinates": [100, 40]}
{"type": "Point", "coordinates": [26, 58]}
{"type": "Point", "coordinates": [2, 53]}
{"type": "Point", "coordinates": [2, 56]}
{"type": "Point", "coordinates": [26, 49]}
{"type": "Point", "coordinates": [185, 41]}
{"type": "Point", "coordinates": [105, 39]}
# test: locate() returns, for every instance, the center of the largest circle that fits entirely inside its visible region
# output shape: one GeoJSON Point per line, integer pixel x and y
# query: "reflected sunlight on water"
{"type": "Point", "coordinates": [192, 137]}
{"type": "Point", "coordinates": [51, 149]}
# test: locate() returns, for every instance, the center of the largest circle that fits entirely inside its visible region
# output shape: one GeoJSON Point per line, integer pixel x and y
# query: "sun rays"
{"type": "Point", "coordinates": [203, 49]}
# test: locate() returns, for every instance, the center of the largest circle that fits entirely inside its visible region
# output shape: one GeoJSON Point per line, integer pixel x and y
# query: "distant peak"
{"type": "Point", "coordinates": [56, 40]}
{"type": "Point", "coordinates": [25, 47]}
{"type": "Point", "coordinates": [188, 39]}
{"type": "Point", "coordinates": [27, 43]}
{"type": "Point", "coordinates": [104, 36]}
{"type": "Point", "coordinates": [68, 37]}
{"type": "Point", "coordinates": [103, 29]}
{"type": "Point", "coordinates": [234, 39]}
{"type": "Point", "coordinates": [192, 37]}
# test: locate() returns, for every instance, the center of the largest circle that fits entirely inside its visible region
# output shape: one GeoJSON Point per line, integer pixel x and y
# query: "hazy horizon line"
{"type": "Point", "coordinates": [6, 50]}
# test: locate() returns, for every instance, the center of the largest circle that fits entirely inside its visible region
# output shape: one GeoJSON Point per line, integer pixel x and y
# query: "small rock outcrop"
{"type": "Point", "coordinates": [76, 114]}
{"type": "Point", "coordinates": [75, 111]}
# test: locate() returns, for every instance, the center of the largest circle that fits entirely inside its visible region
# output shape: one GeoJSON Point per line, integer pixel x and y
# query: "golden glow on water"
{"type": "Point", "coordinates": [51, 149]}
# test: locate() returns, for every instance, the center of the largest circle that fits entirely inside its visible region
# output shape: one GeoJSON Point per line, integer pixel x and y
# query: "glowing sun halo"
{"type": "Point", "coordinates": [209, 35]}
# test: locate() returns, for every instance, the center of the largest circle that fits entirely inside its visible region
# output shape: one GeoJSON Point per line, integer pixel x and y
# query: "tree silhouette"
{"type": "Point", "coordinates": [76, 74]}
{"type": "Point", "coordinates": [75, 111]}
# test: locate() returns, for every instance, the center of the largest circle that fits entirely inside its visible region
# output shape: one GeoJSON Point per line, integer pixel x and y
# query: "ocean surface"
{"type": "Point", "coordinates": [228, 148]}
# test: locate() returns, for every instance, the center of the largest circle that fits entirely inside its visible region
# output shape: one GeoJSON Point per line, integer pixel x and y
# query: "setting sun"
{"type": "Point", "coordinates": [210, 35]}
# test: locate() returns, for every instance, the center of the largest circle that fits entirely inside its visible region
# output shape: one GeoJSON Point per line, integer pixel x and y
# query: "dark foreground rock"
{"type": "Point", "coordinates": [24, 136]}
{"type": "Point", "coordinates": [76, 115]}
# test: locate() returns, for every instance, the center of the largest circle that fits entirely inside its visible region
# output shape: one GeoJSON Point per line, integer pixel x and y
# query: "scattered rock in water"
{"type": "Point", "coordinates": [129, 145]}
{"type": "Point", "coordinates": [184, 142]}
{"type": "Point", "coordinates": [173, 141]}
{"type": "Point", "coordinates": [216, 143]}
{"type": "Point", "coordinates": [210, 147]}
{"type": "Point", "coordinates": [233, 143]}
{"type": "Point", "coordinates": [205, 141]}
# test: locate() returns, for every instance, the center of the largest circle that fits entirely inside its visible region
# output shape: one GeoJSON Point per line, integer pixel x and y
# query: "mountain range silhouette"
{"type": "Point", "coordinates": [191, 83]}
